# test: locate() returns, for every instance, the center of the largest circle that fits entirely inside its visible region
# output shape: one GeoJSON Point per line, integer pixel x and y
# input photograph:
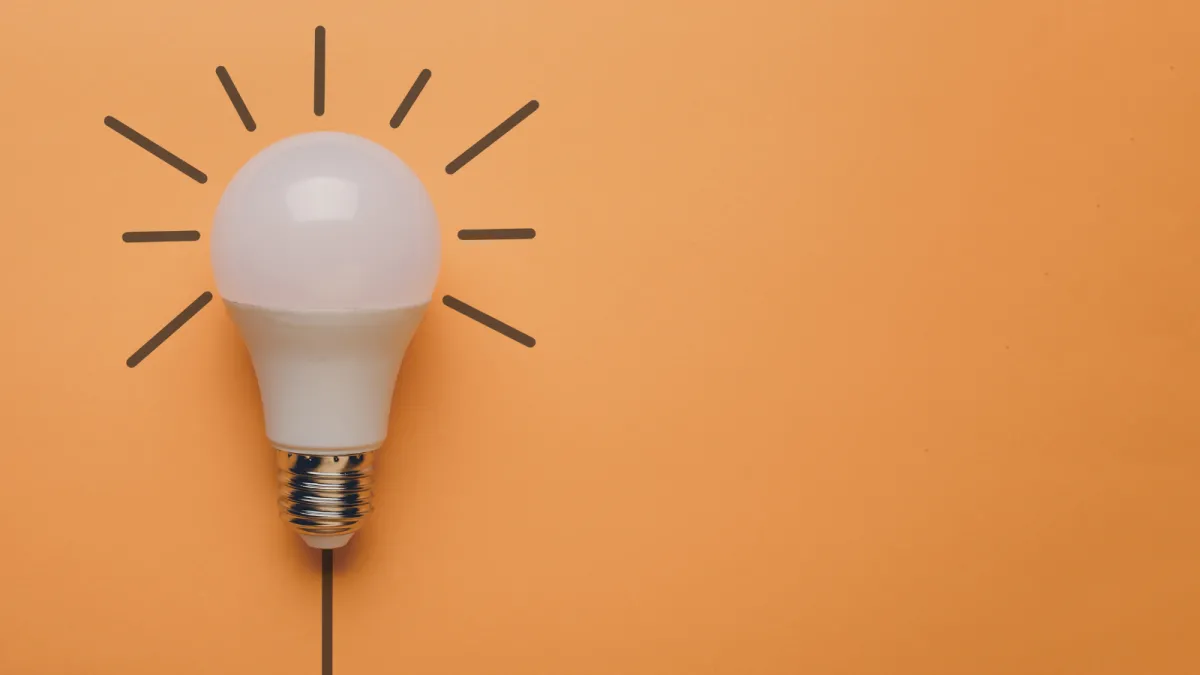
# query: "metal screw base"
{"type": "Point", "coordinates": [325, 497]}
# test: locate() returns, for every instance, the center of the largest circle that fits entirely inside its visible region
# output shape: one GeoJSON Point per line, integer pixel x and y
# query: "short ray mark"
{"type": "Point", "coordinates": [159, 235]}
{"type": "Point", "coordinates": [411, 97]}
{"type": "Point", "coordinates": [235, 98]}
{"type": "Point", "coordinates": [502, 233]}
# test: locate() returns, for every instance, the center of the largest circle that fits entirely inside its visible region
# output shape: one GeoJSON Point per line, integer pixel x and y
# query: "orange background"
{"type": "Point", "coordinates": [868, 341]}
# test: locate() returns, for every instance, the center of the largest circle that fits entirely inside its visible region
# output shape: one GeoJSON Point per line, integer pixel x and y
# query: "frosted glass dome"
{"type": "Point", "coordinates": [326, 221]}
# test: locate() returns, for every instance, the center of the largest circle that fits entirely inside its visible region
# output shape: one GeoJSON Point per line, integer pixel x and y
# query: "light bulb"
{"type": "Point", "coordinates": [325, 249]}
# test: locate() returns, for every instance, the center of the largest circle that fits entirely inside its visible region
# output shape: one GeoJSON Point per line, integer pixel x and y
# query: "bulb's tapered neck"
{"type": "Point", "coordinates": [326, 378]}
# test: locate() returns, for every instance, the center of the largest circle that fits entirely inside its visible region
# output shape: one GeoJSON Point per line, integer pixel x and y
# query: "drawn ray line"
{"type": "Point", "coordinates": [236, 98]}
{"type": "Point", "coordinates": [169, 329]}
{"type": "Point", "coordinates": [503, 233]}
{"type": "Point", "coordinates": [491, 137]}
{"type": "Point", "coordinates": [487, 320]}
{"type": "Point", "coordinates": [155, 149]}
{"type": "Point", "coordinates": [327, 612]}
{"type": "Point", "coordinates": [319, 72]}
{"type": "Point", "coordinates": [411, 97]}
{"type": "Point", "coordinates": [159, 235]}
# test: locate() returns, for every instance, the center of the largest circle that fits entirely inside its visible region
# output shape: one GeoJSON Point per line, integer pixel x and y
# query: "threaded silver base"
{"type": "Point", "coordinates": [325, 495]}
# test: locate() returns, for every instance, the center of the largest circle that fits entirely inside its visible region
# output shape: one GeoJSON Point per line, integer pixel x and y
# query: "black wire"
{"type": "Point", "coordinates": [327, 612]}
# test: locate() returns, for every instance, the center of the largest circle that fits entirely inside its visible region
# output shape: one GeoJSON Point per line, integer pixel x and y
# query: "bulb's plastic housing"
{"type": "Point", "coordinates": [326, 221]}
{"type": "Point", "coordinates": [326, 249]}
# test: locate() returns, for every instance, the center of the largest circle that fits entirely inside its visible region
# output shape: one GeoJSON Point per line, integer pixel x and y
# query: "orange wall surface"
{"type": "Point", "coordinates": [868, 341]}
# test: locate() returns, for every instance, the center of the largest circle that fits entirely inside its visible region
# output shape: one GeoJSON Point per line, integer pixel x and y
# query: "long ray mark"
{"type": "Point", "coordinates": [491, 137]}
{"type": "Point", "coordinates": [319, 71]}
{"type": "Point", "coordinates": [487, 320]}
{"type": "Point", "coordinates": [169, 329]}
{"type": "Point", "coordinates": [155, 149]}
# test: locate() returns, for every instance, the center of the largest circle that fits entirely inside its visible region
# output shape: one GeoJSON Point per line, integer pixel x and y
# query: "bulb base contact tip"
{"type": "Point", "coordinates": [325, 497]}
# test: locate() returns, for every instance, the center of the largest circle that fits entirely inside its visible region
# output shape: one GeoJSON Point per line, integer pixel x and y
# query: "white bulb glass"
{"type": "Point", "coordinates": [326, 220]}
{"type": "Point", "coordinates": [325, 248]}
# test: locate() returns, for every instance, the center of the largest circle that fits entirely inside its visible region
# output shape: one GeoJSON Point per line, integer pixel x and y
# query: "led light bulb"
{"type": "Point", "coordinates": [325, 248]}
